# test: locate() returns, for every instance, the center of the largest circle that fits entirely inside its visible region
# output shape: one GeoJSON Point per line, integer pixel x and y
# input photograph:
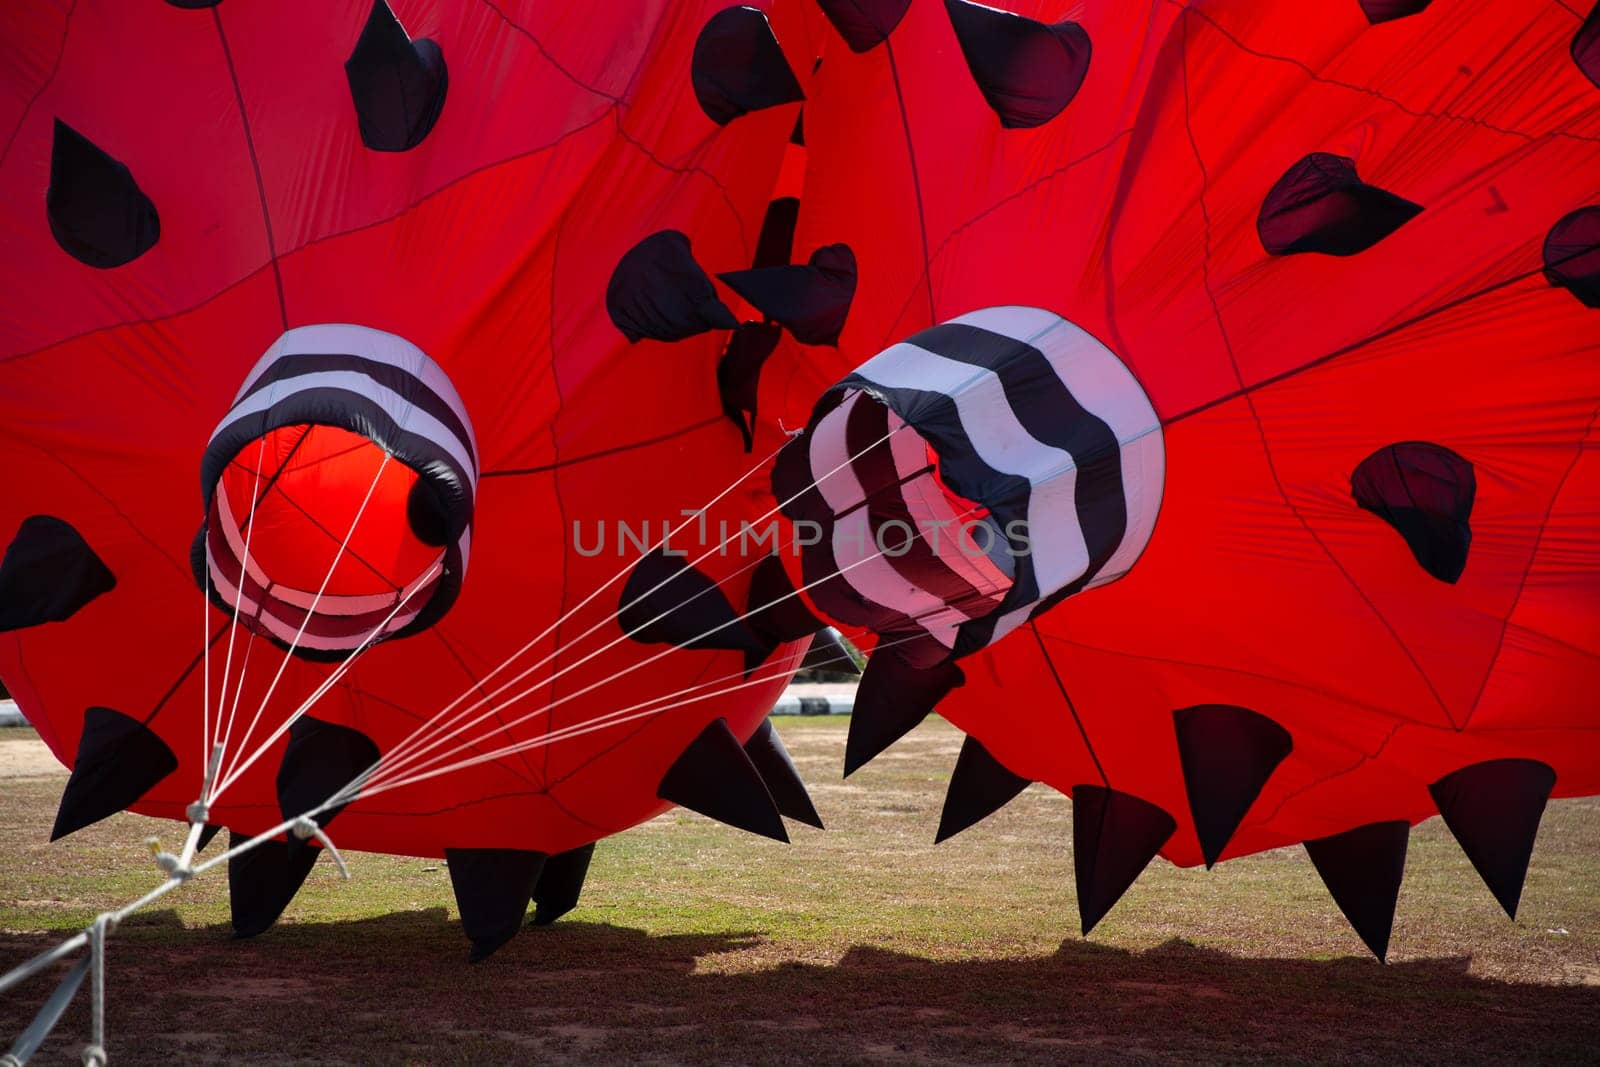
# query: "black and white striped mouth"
{"type": "Point", "coordinates": [1031, 422]}
{"type": "Point", "coordinates": [341, 437]}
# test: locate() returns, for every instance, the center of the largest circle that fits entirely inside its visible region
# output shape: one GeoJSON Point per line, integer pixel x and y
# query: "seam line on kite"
{"type": "Point", "coordinates": [543, 468]}
{"type": "Point", "coordinates": [1072, 708]}
{"type": "Point", "coordinates": [477, 685]}
{"type": "Point", "coordinates": [66, 30]}
{"type": "Point", "coordinates": [916, 180]}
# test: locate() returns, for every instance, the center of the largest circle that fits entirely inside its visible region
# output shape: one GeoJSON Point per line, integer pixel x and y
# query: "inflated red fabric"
{"type": "Point", "coordinates": [1133, 214]}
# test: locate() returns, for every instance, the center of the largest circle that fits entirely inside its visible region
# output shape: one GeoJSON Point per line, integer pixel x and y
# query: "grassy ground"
{"type": "Point", "coordinates": [865, 943]}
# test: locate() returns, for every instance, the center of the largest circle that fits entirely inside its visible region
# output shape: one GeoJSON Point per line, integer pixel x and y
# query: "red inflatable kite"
{"type": "Point", "coordinates": [1243, 357]}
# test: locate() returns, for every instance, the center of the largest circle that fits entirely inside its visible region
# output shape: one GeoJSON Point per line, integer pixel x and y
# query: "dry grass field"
{"type": "Point", "coordinates": [696, 943]}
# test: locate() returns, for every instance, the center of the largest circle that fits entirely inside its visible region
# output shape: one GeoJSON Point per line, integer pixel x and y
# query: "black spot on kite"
{"type": "Point", "coordinates": [739, 374]}
{"type": "Point", "coordinates": [262, 882]}
{"type": "Point", "coordinates": [1321, 205]}
{"type": "Point", "coordinates": [1388, 10]}
{"type": "Point", "coordinates": [48, 574]}
{"type": "Point", "coordinates": [1028, 71]}
{"type": "Point", "coordinates": [493, 887]}
{"type": "Point", "coordinates": [1227, 753]}
{"type": "Point", "coordinates": [1586, 46]}
{"type": "Point", "coordinates": [119, 760]}
{"type": "Point", "coordinates": [659, 291]}
{"type": "Point", "coordinates": [1362, 869]}
{"type": "Point", "coordinates": [766, 750]}
{"type": "Point", "coordinates": [738, 67]}
{"type": "Point", "coordinates": [1493, 809]}
{"type": "Point", "coordinates": [774, 610]}
{"type": "Point", "coordinates": [980, 785]}
{"type": "Point", "coordinates": [398, 85]}
{"type": "Point", "coordinates": [775, 246]}
{"type": "Point", "coordinates": [1115, 835]}
{"type": "Point", "coordinates": [194, 5]}
{"type": "Point", "coordinates": [560, 884]}
{"type": "Point", "coordinates": [716, 777]}
{"type": "Point", "coordinates": [811, 301]}
{"type": "Point", "coordinates": [97, 212]}
{"type": "Point", "coordinates": [320, 759]}
{"type": "Point", "coordinates": [1572, 253]}
{"type": "Point", "coordinates": [1425, 491]}
{"type": "Point", "coordinates": [864, 24]}
{"type": "Point", "coordinates": [891, 700]}
{"type": "Point", "coordinates": [667, 601]}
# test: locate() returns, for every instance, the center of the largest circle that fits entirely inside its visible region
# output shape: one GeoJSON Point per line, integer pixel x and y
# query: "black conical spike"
{"type": "Point", "coordinates": [1228, 753]}
{"type": "Point", "coordinates": [891, 700]}
{"type": "Point", "coordinates": [398, 85]}
{"type": "Point", "coordinates": [493, 887]}
{"type": "Point", "coordinates": [48, 574]}
{"type": "Point", "coordinates": [119, 760]}
{"type": "Point", "coordinates": [1362, 869]}
{"type": "Point", "coordinates": [827, 653]}
{"type": "Point", "coordinates": [715, 777]}
{"type": "Point", "coordinates": [321, 759]}
{"type": "Point", "coordinates": [667, 601]}
{"type": "Point", "coordinates": [980, 785]}
{"type": "Point", "coordinates": [772, 760]}
{"type": "Point", "coordinates": [262, 882]}
{"type": "Point", "coordinates": [207, 832]}
{"type": "Point", "coordinates": [1493, 809]}
{"type": "Point", "coordinates": [97, 212]}
{"type": "Point", "coordinates": [1115, 835]}
{"type": "Point", "coordinates": [560, 883]}
{"type": "Point", "coordinates": [811, 300]}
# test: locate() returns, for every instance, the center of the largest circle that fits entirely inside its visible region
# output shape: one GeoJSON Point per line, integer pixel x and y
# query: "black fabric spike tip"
{"type": "Point", "coordinates": [659, 291]}
{"type": "Point", "coordinates": [667, 601]}
{"type": "Point", "coordinates": [1425, 491]}
{"type": "Point", "coordinates": [321, 759]}
{"type": "Point", "coordinates": [980, 785]}
{"type": "Point", "coordinates": [560, 884]}
{"type": "Point", "coordinates": [739, 374]}
{"type": "Point", "coordinates": [891, 700]}
{"type": "Point", "coordinates": [776, 767]}
{"type": "Point", "coordinates": [1028, 71]}
{"type": "Point", "coordinates": [1388, 10]}
{"type": "Point", "coordinates": [398, 85]}
{"type": "Point", "coordinates": [811, 301]}
{"type": "Point", "coordinates": [1362, 869]}
{"type": "Point", "coordinates": [1572, 247]}
{"type": "Point", "coordinates": [737, 66]}
{"type": "Point", "coordinates": [1114, 837]}
{"type": "Point", "coordinates": [48, 574]}
{"type": "Point", "coordinates": [775, 246]}
{"type": "Point", "coordinates": [1493, 809]}
{"type": "Point", "coordinates": [262, 882]}
{"type": "Point", "coordinates": [1228, 753]}
{"type": "Point", "coordinates": [207, 832]}
{"type": "Point", "coordinates": [827, 653]}
{"type": "Point", "coordinates": [119, 760]}
{"type": "Point", "coordinates": [715, 777]}
{"type": "Point", "coordinates": [864, 24]}
{"type": "Point", "coordinates": [493, 887]}
{"type": "Point", "coordinates": [1321, 205]}
{"type": "Point", "coordinates": [97, 212]}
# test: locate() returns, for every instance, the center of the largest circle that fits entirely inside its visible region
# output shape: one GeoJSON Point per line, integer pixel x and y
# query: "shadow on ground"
{"type": "Point", "coordinates": [398, 989]}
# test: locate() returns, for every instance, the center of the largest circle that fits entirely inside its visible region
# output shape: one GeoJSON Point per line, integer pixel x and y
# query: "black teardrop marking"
{"type": "Point", "coordinates": [1227, 753]}
{"type": "Point", "coordinates": [48, 574]}
{"type": "Point", "coordinates": [119, 760]}
{"type": "Point", "coordinates": [1572, 247]}
{"type": "Point", "coordinates": [1425, 491]}
{"type": "Point", "coordinates": [715, 777]}
{"type": "Point", "coordinates": [775, 610]}
{"type": "Point", "coordinates": [1028, 71]}
{"type": "Point", "coordinates": [1586, 46]}
{"type": "Point", "coordinates": [1362, 869]}
{"type": "Point", "coordinates": [766, 750]}
{"type": "Point", "coordinates": [864, 24]}
{"type": "Point", "coordinates": [194, 5]}
{"type": "Point", "coordinates": [658, 291]}
{"type": "Point", "coordinates": [1115, 835]}
{"type": "Point", "coordinates": [892, 699]}
{"type": "Point", "coordinates": [980, 785]}
{"type": "Point", "coordinates": [737, 66]}
{"type": "Point", "coordinates": [560, 884]}
{"type": "Point", "coordinates": [1388, 10]}
{"type": "Point", "coordinates": [398, 85]}
{"type": "Point", "coordinates": [1321, 205]}
{"type": "Point", "coordinates": [97, 212]}
{"type": "Point", "coordinates": [667, 601]}
{"type": "Point", "coordinates": [320, 759]}
{"type": "Point", "coordinates": [739, 374]}
{"type": "Point", "coordinates": [262, 882]}
{"type": "Point", "coordinates": [1493, 809]}
{"type": "Point", "coordinates": [811, 300]}
{"type": "Point", "coordinates": [493, 887]}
